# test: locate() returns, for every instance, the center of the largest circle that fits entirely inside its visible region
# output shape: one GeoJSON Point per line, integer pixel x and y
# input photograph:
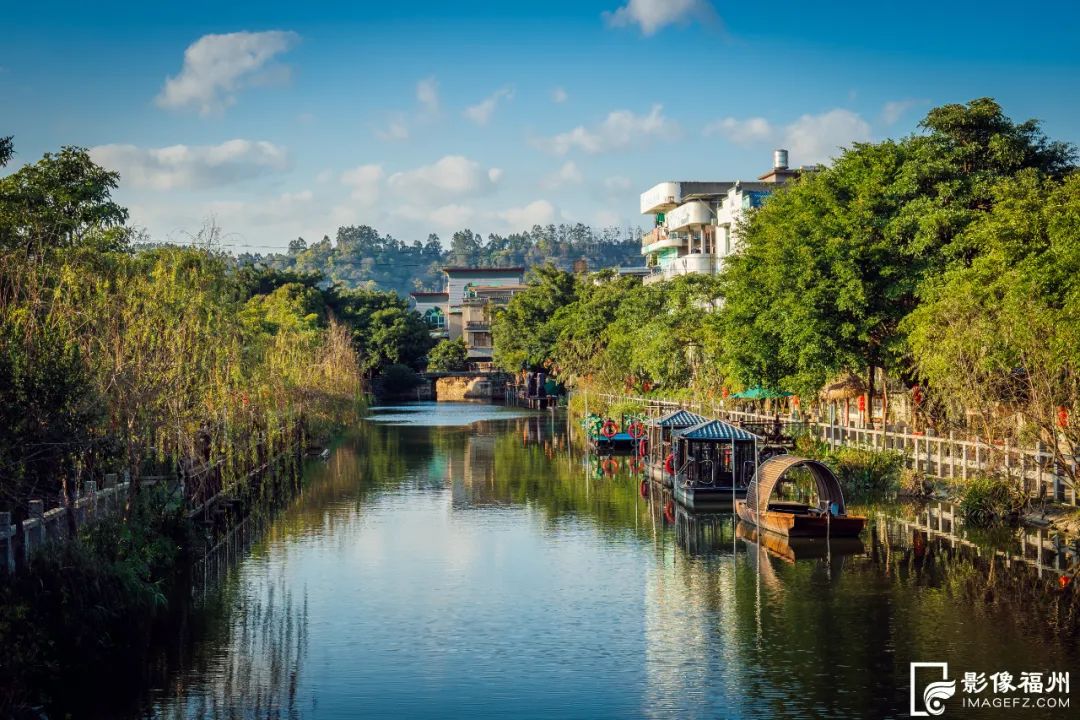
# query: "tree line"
{"type": "Point", "coordinates": [361, 257]}
{"type": "Point", "coordinates": [947, 259]}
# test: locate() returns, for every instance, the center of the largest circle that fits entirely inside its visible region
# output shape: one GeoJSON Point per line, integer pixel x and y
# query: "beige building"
{"type": "Point", "coordinates": [463, 310]}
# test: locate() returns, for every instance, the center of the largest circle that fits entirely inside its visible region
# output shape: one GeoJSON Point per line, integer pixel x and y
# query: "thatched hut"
{"type": "Point", "coordinates": [844, 389]}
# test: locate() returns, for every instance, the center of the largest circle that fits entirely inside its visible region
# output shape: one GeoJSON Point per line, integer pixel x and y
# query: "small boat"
{"type": "Point", "coordinates": [658, 441]}
{"type": "Point", "coordinates": [713, 462]}
{"type": "Point", "coordinates": [607, 437]}
{"type": "Point", "coordinates": [828, 518]}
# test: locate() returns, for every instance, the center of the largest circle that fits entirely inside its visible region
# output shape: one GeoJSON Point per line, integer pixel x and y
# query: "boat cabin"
{"type": "Point", "coordinates": [662, 428]}
{"type": "Point", "coordinates": [715, 453]}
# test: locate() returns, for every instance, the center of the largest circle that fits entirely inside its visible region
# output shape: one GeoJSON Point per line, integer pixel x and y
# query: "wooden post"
{"type": "Point", "coordinates": [1023, 469]}
{"type": "Point", "coordinates": [1039, 466]}
{"type": "Point", "coordinates": [952, 456]}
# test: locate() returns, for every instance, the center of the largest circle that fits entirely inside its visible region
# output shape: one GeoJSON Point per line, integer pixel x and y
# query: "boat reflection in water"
{"type": "Point", "coordinates": [470, 559]}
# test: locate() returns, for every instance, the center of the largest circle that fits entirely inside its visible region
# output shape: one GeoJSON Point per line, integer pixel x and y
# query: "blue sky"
{"type": "Point", "coordinates": [286, 119]}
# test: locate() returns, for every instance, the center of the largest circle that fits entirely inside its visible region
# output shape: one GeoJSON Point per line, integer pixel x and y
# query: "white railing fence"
{"type": "Point", "coordinates": [945, 457]}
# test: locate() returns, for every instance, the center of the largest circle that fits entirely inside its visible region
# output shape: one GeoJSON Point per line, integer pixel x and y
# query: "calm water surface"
{"type": "Point", "coordinates": [459, 560]}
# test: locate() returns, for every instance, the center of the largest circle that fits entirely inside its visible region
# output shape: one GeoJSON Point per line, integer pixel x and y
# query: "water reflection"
{"type": "Point", "coordinates": [487, 569]}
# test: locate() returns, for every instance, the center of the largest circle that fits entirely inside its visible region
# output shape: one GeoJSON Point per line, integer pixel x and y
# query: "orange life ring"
{"type": "Point", "coordinates": [611, 466]}
{"type": "Point", "coordinates": [669, 511]}
{"type": "Point", "coordinates": [636, 429]}
{"type": "Point", "coordinates": [643, 447]}
{"type": "Point", "coordinates": [635, 465]}
{"type": "Point", "coordinates": [669, 464]}
{"type": "Point", "coordinates": [644, 489]}
{"type": "Point", "coordinates": [609, 429]}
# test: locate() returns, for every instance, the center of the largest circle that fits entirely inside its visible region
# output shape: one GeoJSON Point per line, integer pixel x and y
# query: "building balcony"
{"type": "Point", "coordinates": [699, 263]}
{"type": "Point", "coordinates": [659, 239]}
{"type": "Point", "coordinates": [478, 325]}
{"type": "Point", "coordinates": [660, 198]}
{"type": "Point", "coordinates": [691, 214]}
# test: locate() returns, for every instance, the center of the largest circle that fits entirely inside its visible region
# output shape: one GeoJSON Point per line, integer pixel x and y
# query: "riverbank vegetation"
{"type": "Point", "coordinates": [173, 366]}
{"type": "Point", "coordinates": [946, 260]}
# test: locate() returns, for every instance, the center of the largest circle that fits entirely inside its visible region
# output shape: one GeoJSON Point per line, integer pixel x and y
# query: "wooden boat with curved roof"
{"type": "Point", "coordinates": [828, 518]}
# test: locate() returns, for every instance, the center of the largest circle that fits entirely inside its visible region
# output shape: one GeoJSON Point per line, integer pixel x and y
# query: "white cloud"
{"type": "Point", "coordinates": [811, 138]}
{"type": "Point", "coordinates": [482, 111]}
{"type": "Point", "coordinates": [652, 15]}
{"type": "Point", "coordinates": [895, 109]}
{"type": "Point", "coordinates": [606, 219]}
{"type": "Point", "coordinates": [568, 174]}
{"type": "Point", "coordinates": [192, 166]}
{"type": "Point", "coordinates": [741, 132]}
{"type": "Point", "coordinates": [451, 216]}
{"type": "Point", "coordinates": [217, 66]}
{"type": "Point", "coordinates": [395, 130]}
{"type": "Point", "coordinates": [816, 138]}
{"type": "Point", "coordinates": [364, 183]}
{"type": "Point", "coordinates": [558, 95]}
{"type": "Point", "coordinates": [452, 176]}
{"type": "Point", "coordinates": [618, 183]}
{"type": "Point", "coordinates": [619, 130]}
{"type": "Point", "coordinates": [427, 94]}
{"type": "Point", "coordinates": [538, 212]}
{"type": "Point", "coordinates": [272, 211]}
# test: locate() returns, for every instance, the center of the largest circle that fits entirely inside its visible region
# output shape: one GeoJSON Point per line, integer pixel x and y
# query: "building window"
{"type": "Point", "coordinates": [481, 339]}
{"type": "Point", "coordinates": [434, 318]}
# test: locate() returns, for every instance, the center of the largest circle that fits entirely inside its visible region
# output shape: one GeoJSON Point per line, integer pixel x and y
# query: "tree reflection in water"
{"type": "Point", "coordinates": [727, 612]}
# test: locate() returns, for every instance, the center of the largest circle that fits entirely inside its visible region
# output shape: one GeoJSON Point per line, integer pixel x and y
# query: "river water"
{"type": "Point", "coordinates": [459, 560]}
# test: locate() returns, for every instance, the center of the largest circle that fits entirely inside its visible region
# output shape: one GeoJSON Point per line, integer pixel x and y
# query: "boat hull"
{"type": "Point", "coordinates": [707, 498]}
{"type": "Point", "coordinates": [802, 525]}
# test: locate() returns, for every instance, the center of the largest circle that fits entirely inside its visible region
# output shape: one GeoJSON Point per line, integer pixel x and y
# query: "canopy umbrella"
{"type": "Point", "coordinates": [760, 393]}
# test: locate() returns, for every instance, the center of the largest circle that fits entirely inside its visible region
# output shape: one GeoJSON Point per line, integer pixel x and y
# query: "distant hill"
{"type": "Point", "coordinates": [361, 257]}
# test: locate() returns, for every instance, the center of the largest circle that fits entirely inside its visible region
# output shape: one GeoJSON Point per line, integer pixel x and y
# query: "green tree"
{"type": "Point", "coordinates": [998, 337]}
{"type": "Point", "coordinates": [832, 264]}
{"type": "Point", "coordinates": [62, 201]}
{"type": "Point", "coordinates": [449, 355]}
{"type": "Point", "coordinates": [525, 331]}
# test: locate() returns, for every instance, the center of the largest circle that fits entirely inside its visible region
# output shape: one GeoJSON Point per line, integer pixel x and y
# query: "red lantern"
{"type": "Point", "coordinates": [916, 396]}
{"type": "Point", "coordinates": [862, 403]}
{"type": "Point", "coordinates": [1062, 417]}
{"type": "Point", "coordinates": [724, 392]}
{"type": "Point", "coordinates": [795, 401]}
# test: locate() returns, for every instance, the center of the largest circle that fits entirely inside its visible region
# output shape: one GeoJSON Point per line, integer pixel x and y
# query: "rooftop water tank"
{"type": "Point", "coordinates": [779, 159]}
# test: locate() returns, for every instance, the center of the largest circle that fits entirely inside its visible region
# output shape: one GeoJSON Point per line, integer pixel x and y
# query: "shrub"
{"type": "Point", "coordinates": [866, 473]}
{"type": "Point", "coordinates": [988, 500]}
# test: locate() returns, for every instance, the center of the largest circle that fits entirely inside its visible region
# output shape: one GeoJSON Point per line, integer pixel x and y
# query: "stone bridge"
{"type": "Point", "coordinates": [466, 385]}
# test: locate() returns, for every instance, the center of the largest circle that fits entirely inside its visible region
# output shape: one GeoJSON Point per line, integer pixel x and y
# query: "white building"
{"type": "Point", "coordinates": [696, 222]}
